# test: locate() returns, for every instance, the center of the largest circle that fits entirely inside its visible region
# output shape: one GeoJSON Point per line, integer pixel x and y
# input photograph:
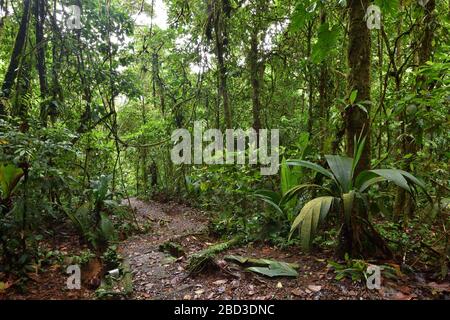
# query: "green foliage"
{"type": "Point", "coordinates": [82, 258]}
{"type": "Point", "coordinates": [115, 90]}
{"type": "Point", "coordinates": [9, 178]}
{"type": "Point", "coordinates": [356, 270]}
{"type": "Point", "coordinates": [353, 269]}
{"type": "Point", "coordinates": [326, 42]}
{"type": "Point", "coordinates": [111, 257]}
{"type": "Point", "coordinates": [349, 191]}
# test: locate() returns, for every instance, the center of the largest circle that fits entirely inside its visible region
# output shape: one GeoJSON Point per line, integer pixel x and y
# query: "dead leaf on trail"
{"type": "Point", "coordinates": [297, 292]}
{"type": "Point", "coordinates": [401, 296]}
{"type": "Point", "coordinates": [266, 250]}
{"type": "Point", "coordinates": [439, 287]}
{"type": "Point", "coordinates": [220, 282]}
{"type": "Point", "coordinates": [314, 288]}
{"type": "Point", "coordinates": [405, 289]}
{"type": "Point", "coordinates": [392, 294]}
{"type": "Point", "coordinates": [33, 276]}
{"type": "Point", "coordinates": [279, 285]}
{"type": "Point", "coordinates": [199, 292]}
{"type": "Point", "coordinates": [4, 286]}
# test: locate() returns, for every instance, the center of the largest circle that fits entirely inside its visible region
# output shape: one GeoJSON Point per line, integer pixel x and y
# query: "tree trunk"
{"type": "Point", "coordinates": [358, 238]}
{"type": "Point", "coordinates": [357, 120]}
{"type": "Point", "coordinates": [323, 95]}
{"type": "Point", "coordinates": [310, 123]}
{"type": "Point", "coordinates": [157, 82]}
{"type": "Point", "coordinates": [255, 75]}
{"type": "Point", "coordinates": [16, 55]}
{"type": "Point", "coordinates": [39, 15]}
{"type": "Point", "coordinates": [221, 43]}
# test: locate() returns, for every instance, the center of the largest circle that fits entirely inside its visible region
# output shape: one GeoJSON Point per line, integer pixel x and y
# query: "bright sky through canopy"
{"type": "Point", "coordinates": [159, 18]}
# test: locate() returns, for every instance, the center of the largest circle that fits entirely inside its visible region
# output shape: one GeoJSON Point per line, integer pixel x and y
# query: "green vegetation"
{"type": "Point", "coordinates": [87, 114]}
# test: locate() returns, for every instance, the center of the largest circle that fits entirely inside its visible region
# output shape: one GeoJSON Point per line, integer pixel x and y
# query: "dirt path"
{"type": "Point", "coordinates": [157, 275]}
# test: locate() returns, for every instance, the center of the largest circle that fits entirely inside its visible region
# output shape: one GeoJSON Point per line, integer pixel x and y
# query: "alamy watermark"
{"type": "Point", "coordinates": [73, 22]}
{"type": "Point", "coordinates": [373, 15]}
{"type": "Point", "coordinates": [373, 274]}
{"type": "Point", "coordinates": [233, 151]}
{"type": "Point", "coordinates": [423, 3]}
{"type": "Point", "coordinates": [74, 279]}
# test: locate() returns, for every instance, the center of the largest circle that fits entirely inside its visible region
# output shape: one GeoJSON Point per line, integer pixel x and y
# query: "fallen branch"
{"type": "Point", "coordinates": [201, 260]}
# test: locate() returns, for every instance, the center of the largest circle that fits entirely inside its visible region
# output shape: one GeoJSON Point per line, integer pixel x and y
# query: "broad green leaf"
{"type": "Point", "coordinates": [287, 178]}
{"type": "Point", "coordinates": [353, 96]}
{"type": "Point", "coordinates": [297, 189]}
{"type": "Point", "coordinates": [326, 42]}
{"type": "Point", "coordinates": [394, 176]}
{"type": "Point", "coordinates": [235, 258]}
{"type": "Point", "coordinates": [275, 269]}
{"type": "Point", "coordinates": [106, 227]}
{"type": "Point", "coordinates": [9, 178]}
{"type": "Point", "coordinates": [313, 213]}
{"type": "Point", "coordinates": [342, 170]}
{"type": "Point", "coordinates": [299, 17]}
{"type": "Point", "coordinates": [413, 179]}
{"type": "Point", "coordinates": [360, 143]}
{"type": "Point", "coordinates": [311, 165]}
{"type": "Point", "coordinates": [255, 262]}
{"type": "Point", "coordinates": [359, 105]}
{"type": "Point", "coordinates": [272, 195]}
{"type": "Point", "coordinates": [270, 202]}
{"type": "Point", "coordinates": [370, 182]}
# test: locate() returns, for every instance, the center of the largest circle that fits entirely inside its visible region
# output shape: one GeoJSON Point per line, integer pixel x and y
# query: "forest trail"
{"type": "Point", "coordinates": [158, 275]}
{"type": "Point", "coordinates": [155, 275]}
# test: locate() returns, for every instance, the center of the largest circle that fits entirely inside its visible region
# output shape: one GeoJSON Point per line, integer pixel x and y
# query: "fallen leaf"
{"type": "Point", "coordinates": [297, 292]}
{"type": "Point", "coordinates": [4, 286]}
{"type": "Point", "coordinates": [440, 287]}
{"type": "Point", "coordinates": [279, 285]}
{"type": "Point", "coordinates": [220, 282]}
{"type": "Point", "coordinates": [401, 296]}
{"type": "Point", "coordinates": [314, 288]}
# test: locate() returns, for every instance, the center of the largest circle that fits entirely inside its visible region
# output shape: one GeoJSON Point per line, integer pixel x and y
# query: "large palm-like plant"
{"type": "Point", "coordinates": [347, 197]}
